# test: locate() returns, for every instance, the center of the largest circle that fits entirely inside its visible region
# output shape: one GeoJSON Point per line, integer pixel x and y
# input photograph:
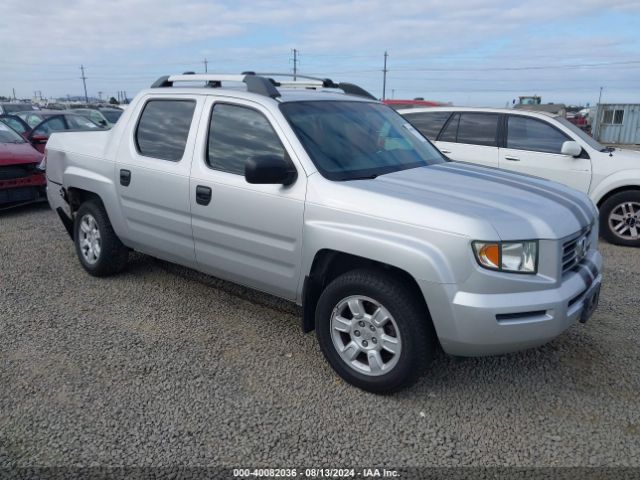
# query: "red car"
{"type": "Point", "coordinates": [21, 179]}
{"type": "Point", "coordinates": [416, 103]}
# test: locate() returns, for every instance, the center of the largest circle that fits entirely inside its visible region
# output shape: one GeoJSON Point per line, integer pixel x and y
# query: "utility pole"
{"type": "Point", "coordinates": [100, 95]}
{"type": "Point", "coordinates": [600, 96]}
{"type": "Point", "coordinates": [384, 76]}
{"type": "Point", "coordinates": [295, 64]}
{"type": "Point", "coordinates": [206, 64]}
{"type": "Point", "coordinates": [84, 82]}
{"type": "Point", "coordinates": [14, 93]}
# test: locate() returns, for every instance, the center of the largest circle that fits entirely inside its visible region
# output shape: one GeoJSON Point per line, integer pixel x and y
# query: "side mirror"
{"type": "Point", "coordinates": [102, 123]}
{"type": "Point", "coordinates": [571, 148]}
{"type": "Point", "coordinates": [35, 139]}
{"type": "Point", "coordinates": [269, 169]}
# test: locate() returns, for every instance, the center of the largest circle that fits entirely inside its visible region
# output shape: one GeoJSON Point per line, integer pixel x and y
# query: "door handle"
{"type": "Point", "coordinates": [513, 159]}
{"type": "Point", "coordinates": [125, 177]}
{"type": "Point", "coordinates": [445, 151]}
{"type": "Point", "coordinates": [203, 195]}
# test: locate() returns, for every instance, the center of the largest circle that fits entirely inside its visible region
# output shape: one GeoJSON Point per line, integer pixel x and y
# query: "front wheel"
{"type": "Point", "coordinates": [620, 219]}
{"type": "Point", "coordinates": [99, 249]}
{"type": "Point", "coordinates": [374, 332]}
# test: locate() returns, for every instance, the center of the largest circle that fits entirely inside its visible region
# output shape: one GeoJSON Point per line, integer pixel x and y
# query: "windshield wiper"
{"type": "Point", "coordinates": [608, 149]}
{"type": "Point", "coordinates": [363, 177]}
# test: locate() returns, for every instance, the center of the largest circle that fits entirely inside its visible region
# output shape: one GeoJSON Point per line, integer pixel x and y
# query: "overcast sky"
{"type": "Point", "coordinates": [471, 53]}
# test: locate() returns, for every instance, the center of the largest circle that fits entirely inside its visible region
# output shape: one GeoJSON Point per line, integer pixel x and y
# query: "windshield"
{"type": "Point", "coordinates": [582, 134]}
{"type": "Point", "coordinates": [112, 115]}
{"type": "Point", "coordinates": [8, 135]}
{"type": "Point", "coordinates": [354, 140]}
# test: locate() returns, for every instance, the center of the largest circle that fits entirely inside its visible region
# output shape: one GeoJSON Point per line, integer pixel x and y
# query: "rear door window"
{"type": "Point", "coordinates": [525, 133]}
{"type": "Point", "coordinates": [478, 129]}
{"type": "Point", "coordinates": [429, 123]}
{"type": "Point", "coordinates": [163, 128]}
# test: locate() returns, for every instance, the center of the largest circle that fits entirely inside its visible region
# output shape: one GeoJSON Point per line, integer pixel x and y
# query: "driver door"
{"type": "Point", "coordinates": [41, 133]}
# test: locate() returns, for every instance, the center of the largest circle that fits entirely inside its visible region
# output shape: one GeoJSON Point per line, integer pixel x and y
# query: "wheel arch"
{"type": "Point", "coordinates": [82, 185]}
{"type": "Point", "coordinates": [329, 264]}
{"type": "Point", "coordinates": [611, 193]}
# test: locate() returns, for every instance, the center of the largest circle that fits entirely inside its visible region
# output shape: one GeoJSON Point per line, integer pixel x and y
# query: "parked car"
{"type": "Point", "coordinates": [547, 146]}
{"type": "Point", "coordinates": [13, 107]}
{"type": "Point", "coordinates": [21, 179]}
{"type": "Point", "coordinates": [33, 118]}
{"type": "Point", "coordinates": [16, 123]}
{"type": "Point", "coordinates": [39, 135]}
{"type": "Point", "coordinates": [331, 200]}
{"type": "Point", "coordinates": [105, 117]}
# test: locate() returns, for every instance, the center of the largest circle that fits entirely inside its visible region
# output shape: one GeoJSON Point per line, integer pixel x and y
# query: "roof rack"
{"type": "Point", "coordinates": [261, 83]}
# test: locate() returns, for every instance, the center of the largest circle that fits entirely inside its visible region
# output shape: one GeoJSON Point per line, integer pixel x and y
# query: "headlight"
{"type": "Point", "coordinates": [518, 257]}
{"type": "Point", "coordinates": [42, 166]}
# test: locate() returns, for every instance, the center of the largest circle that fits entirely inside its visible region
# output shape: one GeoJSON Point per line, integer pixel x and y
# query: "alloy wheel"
{"type": "Point", "coordinates": [365, 335]}
{"type": "Point", "coordinates": [90, 241]}
{"type": "Point", "coordinates": [624, 220]}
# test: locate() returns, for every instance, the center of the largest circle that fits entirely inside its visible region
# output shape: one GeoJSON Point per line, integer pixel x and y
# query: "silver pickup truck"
{"type": "Point", "coordinates": [315, 192]}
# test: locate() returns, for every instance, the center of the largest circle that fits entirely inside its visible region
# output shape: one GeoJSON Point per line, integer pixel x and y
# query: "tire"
{"type": "Point", "coordinates": [407, 329]}
{"type": "Point", "coordinates": [620, 219]}
{"type": "Point", "coordinates": [111, 255]}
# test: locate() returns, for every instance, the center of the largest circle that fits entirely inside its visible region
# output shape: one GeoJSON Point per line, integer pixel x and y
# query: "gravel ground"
{"type": "Point", "coordinates": [162, 366]}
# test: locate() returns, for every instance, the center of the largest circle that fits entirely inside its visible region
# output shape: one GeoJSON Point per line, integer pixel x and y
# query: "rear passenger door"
{"type": "Point", "coordinates": [247, 233]}
{"type": "Point", "coordinates": [533, 146]}
{"type": "Point", "coordinates": [471, 137]}
{"type": "Point", "coordinates": [152, 175]}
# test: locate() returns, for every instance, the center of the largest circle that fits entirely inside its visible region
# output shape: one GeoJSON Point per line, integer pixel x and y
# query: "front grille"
{"type": "Point", "coordinates": [9, 172]}
{"type": "Point", "coordinates": [574, 249]}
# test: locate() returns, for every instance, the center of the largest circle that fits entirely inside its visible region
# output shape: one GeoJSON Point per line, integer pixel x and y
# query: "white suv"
{"type": "Point", "coordinates": [546, 146]}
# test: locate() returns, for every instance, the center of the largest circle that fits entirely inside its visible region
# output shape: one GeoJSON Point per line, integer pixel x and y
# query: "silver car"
{"type": "Point", "coordinates": [315, 192]}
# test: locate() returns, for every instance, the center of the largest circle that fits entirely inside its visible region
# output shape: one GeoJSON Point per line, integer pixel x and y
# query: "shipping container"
{"type": "Point", "coordinates": [617, 123]}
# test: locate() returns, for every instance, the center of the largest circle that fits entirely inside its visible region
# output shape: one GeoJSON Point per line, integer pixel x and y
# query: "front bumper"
{"type": "Point", "coordinates": [18, 191]}
{"type": "Point", "coordinates": [470, 324]}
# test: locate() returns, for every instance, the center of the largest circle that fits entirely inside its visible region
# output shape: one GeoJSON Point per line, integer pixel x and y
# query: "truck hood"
{"type": "Point", "coordinates": [467, 199]}
{"type": "Point", "coordinates": [18, 154]}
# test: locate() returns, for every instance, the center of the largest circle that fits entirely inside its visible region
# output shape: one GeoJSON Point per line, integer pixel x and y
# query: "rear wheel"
{"type": "Point", "coordinates": [375, 333]}
{"type": "Point", "coordinates": [99, 249]}
{"type": "Point", "coordinates": [620, 219]}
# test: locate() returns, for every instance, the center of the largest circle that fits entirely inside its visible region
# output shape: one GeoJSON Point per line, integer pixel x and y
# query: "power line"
{"type": "Point", "coordinates": [530, 67]}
